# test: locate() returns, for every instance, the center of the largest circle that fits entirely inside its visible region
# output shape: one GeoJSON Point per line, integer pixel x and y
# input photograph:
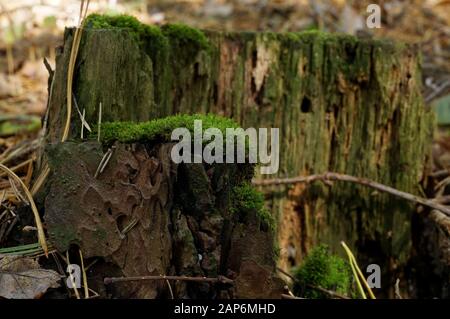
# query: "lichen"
{"type": "Point", "coordinates": [322, 269]}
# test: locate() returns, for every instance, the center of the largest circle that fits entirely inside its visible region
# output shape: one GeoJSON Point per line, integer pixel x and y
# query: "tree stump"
{"type": "Point", "coordinates": [342, 104]}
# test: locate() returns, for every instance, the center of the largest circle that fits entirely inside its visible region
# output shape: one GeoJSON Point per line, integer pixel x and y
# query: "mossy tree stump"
{"type": "Point", "coordinates": [144, 215]}
{"type": "Point", "coordinates": [342, 104]}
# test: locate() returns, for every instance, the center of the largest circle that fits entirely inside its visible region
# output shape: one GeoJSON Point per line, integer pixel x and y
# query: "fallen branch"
{"type": "Point", "coordinates": [218, 279]}
{"type": "Point", "coordinates": [361, 181]}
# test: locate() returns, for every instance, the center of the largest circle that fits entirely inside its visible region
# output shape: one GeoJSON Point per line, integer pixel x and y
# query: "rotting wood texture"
{"type": "Point", "coordinates": [342, 104]}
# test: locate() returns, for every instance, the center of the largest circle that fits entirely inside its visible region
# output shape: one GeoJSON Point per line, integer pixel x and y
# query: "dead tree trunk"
{"type": "Point", "coordinates": [342, 104]}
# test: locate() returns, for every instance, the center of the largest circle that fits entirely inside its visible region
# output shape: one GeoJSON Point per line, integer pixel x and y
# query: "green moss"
{"type": "Point", "coordinates": [178, 34]}
{"type": "Point", "coordinates": [322, 269]}
{"type": "Point", "coordinates": [160, 129]}
{"type": "Point", "coordinates": [182, 35]}
{"type": "Point", "coordinates": [149, 36]}
{"type": "Point", "coordinates": [322, 35]}
{"type": "Point", "coordinates": [245, 199]}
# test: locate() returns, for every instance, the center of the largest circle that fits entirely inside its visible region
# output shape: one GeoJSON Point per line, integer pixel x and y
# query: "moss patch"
{"type": "Point", "coordinates": [152, 38]}
{"type": "Point", "coordinates": [183, 35]}
{"type": "Point", "coordinates": [322, 269]}
{"type": "Point", "coordinates": [246, 198]}
{"type": "Point", "coordinates": [142, 32]}
{"type": "Point", "coordinates": [160, 129]}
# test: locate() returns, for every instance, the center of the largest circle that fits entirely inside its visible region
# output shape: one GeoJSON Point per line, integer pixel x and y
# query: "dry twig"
{"type": "Point", "coordinates": [361, 181]}
{"type": "Point", "coordinates": [218, 279]}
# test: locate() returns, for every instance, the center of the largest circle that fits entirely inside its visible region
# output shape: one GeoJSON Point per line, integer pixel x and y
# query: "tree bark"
{"type": "Point", "coordinates": [342, 104]}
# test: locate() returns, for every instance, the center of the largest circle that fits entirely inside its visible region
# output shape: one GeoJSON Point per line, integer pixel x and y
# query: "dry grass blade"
{"type": "Point", "coordinates": [82, 126]}
{"type": "Point", "coordinates": [37, 218]}
{"type": "Point", "coordinates": [73, 57]}
{"type": "Point", "coordinates": [30, 250]}
{"type": "Point", "coordinates": [41, 179]}
{"type": "Point", "coordinates": [19, 150]}
{"type": "Point", "coordinates": [2, 197]}
{"type": "Point", "coordinates": [170, 289]}
{"type": "Point", "coordinates": [83, 270]}
{"type": "Point", "coordinates": [103, 162]}
{"type": "Point", "coordinates": [29, 175]}
{"type": "Point", "coordinates": [83, 120]}
{"type": "Point", "coordinates": [397, 289]}
{"type": "Point", "coordinates": [17, 167]}
{"type": "Point", "coordinates": [16, 191]}
{"type": "Point", "coordinates": [355, 266]}
{"type": "Point", "coordinates": [99, 121]}
{"type": "Point", "coordinates": [72, 279]}
{"type": "Point", "coordinates": [355, 273]}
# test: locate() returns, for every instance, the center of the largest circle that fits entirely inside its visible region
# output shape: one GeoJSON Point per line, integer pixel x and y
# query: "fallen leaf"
{"type": "Point", "coordinates": [22, 278]}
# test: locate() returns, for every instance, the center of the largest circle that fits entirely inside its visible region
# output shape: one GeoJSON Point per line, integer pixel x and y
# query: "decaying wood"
{"type": "Point", "coordinates": [342, 104]}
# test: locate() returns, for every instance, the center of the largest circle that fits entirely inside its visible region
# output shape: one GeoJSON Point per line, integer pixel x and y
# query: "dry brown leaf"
{"type": "Point", "coordinates": [22, 278]}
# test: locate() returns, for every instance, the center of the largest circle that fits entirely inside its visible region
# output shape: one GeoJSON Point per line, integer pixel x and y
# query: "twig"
{"type": "Point", "coordinates": [286, 296]}
{"type": "Point", "coordinates": [440, 173]}
{"type": "Point", "coordinates": [287, 274]}
{"type": "Point", "coordinates": [437, 91]}
{"type": "Point", "coordinates": [95, 294]}
{"type": "Point", "coordinates": [397, 289]}
{"type": "Point", "coordinates": [218, 279]}
{"type": "Point", "coordinates": [91, 264]}
{"type": "Point", "coordinates": [442, 199]}
{"type": "Point", "coordinates": [361, 181]}
{"type": "Point", "coordinates": [441, 220]}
